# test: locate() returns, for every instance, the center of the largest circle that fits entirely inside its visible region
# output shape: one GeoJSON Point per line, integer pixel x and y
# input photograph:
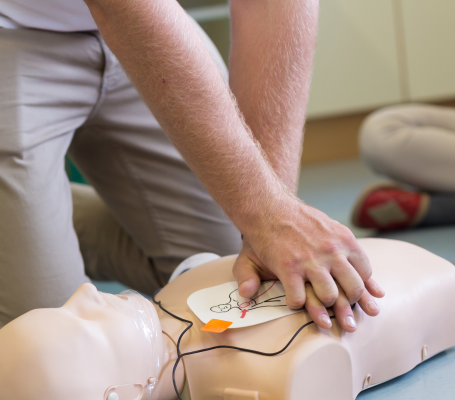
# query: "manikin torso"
{"type": "Point", "coordinates": [90, 344]}
{"type": "Point", "coordinates": [416, 322]}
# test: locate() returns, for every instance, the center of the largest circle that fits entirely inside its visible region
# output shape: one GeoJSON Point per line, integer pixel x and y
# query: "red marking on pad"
{"type": "Point", "coordinates": [265, 291]}
{"type": "Point", "coordinates": [216, 326]}
{"type": "Point", "coordinates": [243, 313]}
{"type": "Point", "coordinates": [248, 303]}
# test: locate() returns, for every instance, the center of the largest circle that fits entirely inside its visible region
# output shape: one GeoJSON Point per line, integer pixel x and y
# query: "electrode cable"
{"type": "Point", "coordinates": [180, 355]}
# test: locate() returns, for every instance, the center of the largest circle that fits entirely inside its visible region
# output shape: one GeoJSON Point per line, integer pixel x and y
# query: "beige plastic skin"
{"type": "Point", "coordinates": [83, 349]}
{"type": "Point", "coordinates": [416, 321]}
{"type": "Point", "coordinates": [80, 350]}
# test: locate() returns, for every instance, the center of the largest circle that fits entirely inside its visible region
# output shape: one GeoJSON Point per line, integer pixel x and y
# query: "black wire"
{"type": "Point", "coordinates": [180, 356]}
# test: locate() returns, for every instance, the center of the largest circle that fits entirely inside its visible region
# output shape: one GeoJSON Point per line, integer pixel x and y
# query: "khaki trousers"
{"type": "Point", "coordinates": [66, 92]}
{"type": "Point", "coordinates": [413, 144]}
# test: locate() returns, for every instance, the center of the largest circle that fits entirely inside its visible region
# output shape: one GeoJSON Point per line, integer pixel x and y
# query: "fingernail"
{"type": "Point", "coordinates": [326, 319]}
{"type": "Point", "coordinates": [349, 321]}
{"type": "Point", "coordinates": [377, 287]}
{"type": "Point", "coordinates": [372, 306]}
{"type": "Point", "coordinates": [244, 285]}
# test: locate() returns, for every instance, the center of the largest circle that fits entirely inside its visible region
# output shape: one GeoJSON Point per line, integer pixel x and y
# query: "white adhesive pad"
{"type": "Point", "coordinates": [224, 302]}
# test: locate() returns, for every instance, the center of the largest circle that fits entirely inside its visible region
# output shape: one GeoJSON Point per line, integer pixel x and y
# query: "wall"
{"type": "Point", "coordinates": [370, 53]}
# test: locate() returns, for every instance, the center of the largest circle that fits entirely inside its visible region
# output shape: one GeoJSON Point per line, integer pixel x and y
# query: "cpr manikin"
{"type": "Point", "coordinates": [93, 343]}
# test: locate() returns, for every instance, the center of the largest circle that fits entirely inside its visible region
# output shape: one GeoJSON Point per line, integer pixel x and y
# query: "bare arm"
{"type": "Point", "coordinates": [269, 71]}
{"type": "Point", "coordinates": [172, 70]}
{"type": "Point", "coordinates": [170, 66]}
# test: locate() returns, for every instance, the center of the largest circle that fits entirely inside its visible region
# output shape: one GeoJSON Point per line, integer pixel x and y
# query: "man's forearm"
{"type": "Point", "coordinates": [270, 70]}
{"type": "Point", "coordinates": [167, 61]}
{"type": "Point", "coordinates": [285, 239]}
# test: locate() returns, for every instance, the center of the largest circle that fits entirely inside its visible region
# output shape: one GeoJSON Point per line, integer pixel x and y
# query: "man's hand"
{"type": "Point", "coordinates": [298, 244]}
{"type": "Point", "coordinates": [342, 308]}
{"type": "Point", "coordinates": [244, 171]}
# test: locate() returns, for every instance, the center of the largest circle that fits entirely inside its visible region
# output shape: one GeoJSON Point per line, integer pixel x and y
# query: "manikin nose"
{"type": "Point", "coordinates": [89, 291]}
{"type": "Point", "coordinates": [85, 295]}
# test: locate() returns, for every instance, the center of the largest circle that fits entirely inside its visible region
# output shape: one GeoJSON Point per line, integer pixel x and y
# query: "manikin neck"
{"type": "Point", "coordinates": [165, 383]}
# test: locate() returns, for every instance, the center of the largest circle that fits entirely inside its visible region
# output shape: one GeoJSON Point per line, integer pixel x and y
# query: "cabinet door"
{"type": "Point", "coordinates": [356, 65]}
{"type": "Point", "coordinates": [429, 31]}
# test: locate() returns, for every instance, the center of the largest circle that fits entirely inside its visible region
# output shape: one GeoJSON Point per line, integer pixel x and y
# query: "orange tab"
{"type": "Point", "coordinates": [216, 326]}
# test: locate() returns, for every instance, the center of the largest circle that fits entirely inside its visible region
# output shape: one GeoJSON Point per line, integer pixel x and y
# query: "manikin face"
{"type": "Point", "coordinates": [221, 308]}
{"type": "Point", "coordinates": [77, 351]}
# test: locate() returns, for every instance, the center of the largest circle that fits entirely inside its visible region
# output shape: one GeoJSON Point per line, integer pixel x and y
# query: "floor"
{"type": "Point", "coordinates": [333, 188]}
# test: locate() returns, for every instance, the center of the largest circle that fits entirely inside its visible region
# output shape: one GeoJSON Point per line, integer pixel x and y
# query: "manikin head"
{"type": "Point", "coordinates": [83, 349]}
{"type": "Point", "coordinates": [222, 308]}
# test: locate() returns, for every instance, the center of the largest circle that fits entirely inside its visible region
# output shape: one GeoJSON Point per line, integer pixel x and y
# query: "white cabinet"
{"type": "Point", "coordinates": [372, 53]}
{"type": "Point", "coordinates": [369, 53]}
{"type": "Point", "coordinates": [429, 32]}
{"type": "Point", "coordinates": [356, 65]}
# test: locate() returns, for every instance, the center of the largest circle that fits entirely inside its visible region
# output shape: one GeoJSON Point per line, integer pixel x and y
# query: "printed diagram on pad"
{"type": "Point", "coordinates": [266, 297]}
{"type": "Point", "coordinates": [224, 303]}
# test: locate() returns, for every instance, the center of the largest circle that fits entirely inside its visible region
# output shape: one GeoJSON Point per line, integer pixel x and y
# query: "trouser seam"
{"type": "Point", "coordinates": [155, 273]}
{"type": "Point", "coordinates": [104, 78]}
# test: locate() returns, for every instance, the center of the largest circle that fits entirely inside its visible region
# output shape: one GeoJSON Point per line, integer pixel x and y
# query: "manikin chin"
{"type": "Point", "coordinates": [105, 347]}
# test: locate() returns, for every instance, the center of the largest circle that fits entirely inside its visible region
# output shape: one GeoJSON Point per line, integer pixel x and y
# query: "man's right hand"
{"type": "Point", "coordinates": [300, 245]}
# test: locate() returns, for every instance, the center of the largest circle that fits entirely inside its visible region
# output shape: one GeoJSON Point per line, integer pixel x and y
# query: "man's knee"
{"type": "Point", "coordinates": [381, 135]}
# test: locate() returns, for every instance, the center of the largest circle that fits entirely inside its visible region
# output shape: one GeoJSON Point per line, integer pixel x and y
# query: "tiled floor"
{"type": "Point", "coordinates": [333, 188]}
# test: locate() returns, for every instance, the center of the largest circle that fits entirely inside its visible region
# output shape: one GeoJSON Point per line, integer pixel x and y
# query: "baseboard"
{"type": "Point", "coordinates": [335, 138]}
